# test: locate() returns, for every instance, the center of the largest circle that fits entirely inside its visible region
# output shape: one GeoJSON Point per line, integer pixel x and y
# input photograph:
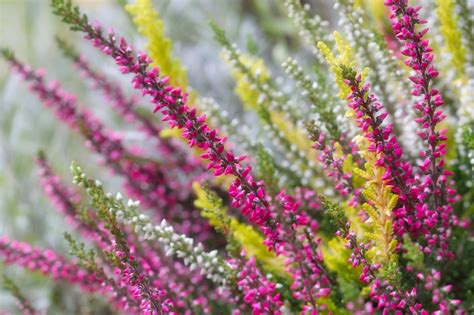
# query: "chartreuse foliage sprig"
{"type": "Point", "coordinates": [344, 61]}
{"type": "Point", "coordinates": [159, 47]}
{"type": "Point", "coordinates": [239, 235]}
{"type": "Point", "coordinates": [380, 203]}
{"type": "Point", "coordinates": [448, 19]}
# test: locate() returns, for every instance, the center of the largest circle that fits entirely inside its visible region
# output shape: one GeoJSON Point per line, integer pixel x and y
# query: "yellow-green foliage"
{"type": "Point", "coordinates": [376, 9]}
{"type": "Point", "coordinates": [347, 167]}
{"type": "Point", "coordinates": [336, 257]}
{"type": "Point", "coordinates": [237, 233]}
{"type": "Point", "coordinates": [344, 60]}
{"type": "Point", "coordinates": [452, 34]}
{"type": "Point", "coordinates": [379, 206]}
{"type": "Point", "coordinates": [159, 47]}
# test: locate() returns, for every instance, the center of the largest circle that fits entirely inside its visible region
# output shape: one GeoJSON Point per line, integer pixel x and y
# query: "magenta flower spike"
{"type": "Point", "coordinates": [434, 190]}
{"type": "Point", "coordinates": [49, 263]}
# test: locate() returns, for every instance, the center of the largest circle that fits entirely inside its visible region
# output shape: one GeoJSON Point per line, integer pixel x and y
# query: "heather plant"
{"type": "Point", "coordinates": [346, 187]}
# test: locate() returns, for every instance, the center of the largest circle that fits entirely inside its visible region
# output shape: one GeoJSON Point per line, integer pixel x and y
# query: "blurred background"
{"type": "Point", "coordinates": [28, 28]}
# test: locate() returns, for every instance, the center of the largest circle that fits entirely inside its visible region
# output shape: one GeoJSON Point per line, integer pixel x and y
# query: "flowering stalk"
{"type": "Point", "coordinates": [434, 190]}
{"type": "Point", "coordinates": [398, 173]}
{"type": "Point", "coordinates": [49, 263]}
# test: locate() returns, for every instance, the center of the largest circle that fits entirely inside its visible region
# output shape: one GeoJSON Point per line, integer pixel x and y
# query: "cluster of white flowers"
{"type": "Point", "coordinates": [211, 264]}
{"type": "Point", "coordinates": [194, 256]}
{"type": "Point", "coordinates": [293, 158]}
{"type": "Point", "coordinates": [318, 96]}
{"type": "Point", "coordinates": [311, 27]}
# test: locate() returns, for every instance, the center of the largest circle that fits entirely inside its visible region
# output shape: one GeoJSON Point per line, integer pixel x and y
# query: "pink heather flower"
{"type": "Point", "coordinates": [259, 292]}
{"type": "Point", "coordinates": [333, 167]}
{"type": "Point", "coordinates": [49, 263]}
{"type": "Point", "coordinates": [433, 190]}
{"type": "Point", "coordinates": [152, 300]}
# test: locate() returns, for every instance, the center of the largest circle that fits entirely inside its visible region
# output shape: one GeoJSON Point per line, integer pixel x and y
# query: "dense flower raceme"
{"type": "Point", "coordinates": [414, 215]}
{"type": "Point", "coordinates": [48, 262]}
{"type": "Point", "coordinates": [260, 293]}
{"type": "Point", "coordinates": [434, 189]}
{"type": "Point", "coordinates": [146, 179]}
{"type": "Point", "coordinates": [376, 234]}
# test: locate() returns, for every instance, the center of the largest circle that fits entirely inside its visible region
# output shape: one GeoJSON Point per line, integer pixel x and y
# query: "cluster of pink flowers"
{"type": "Point", "coordinates": [333, 166]}
{"type": "Point", "coordinates": [171, 152]}
{"type": "Point", "coordinates": [48, 262]}
{"type": "Point", "coordinates": [260, 293]}
{"type": "Point", "coordinates": [433, 190]}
